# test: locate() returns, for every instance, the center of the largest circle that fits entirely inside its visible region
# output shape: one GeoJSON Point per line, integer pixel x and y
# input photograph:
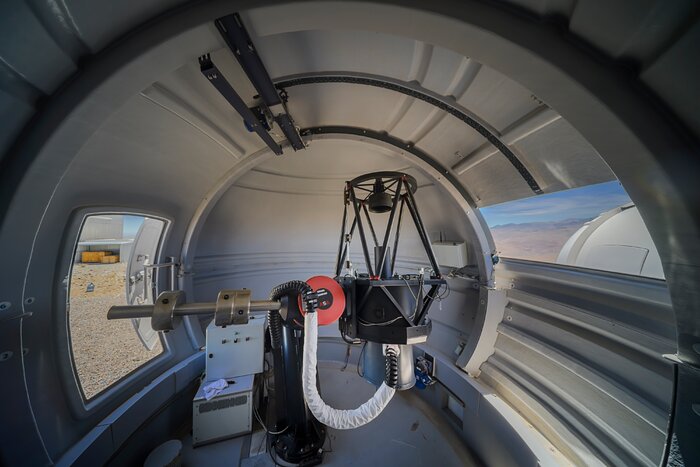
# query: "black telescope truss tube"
{"type": "Point", "coordinates": [413, 209]}
{"type": "Point", "coordinates": [398, 232]}
{"type": "Point", "coordinates": [361, 229]}
{"type": "Point", "coordinates": [396, 188]}
{"type": "Point", "coordinates": [383, 306]}
{"type": "Point", "coordinates": [341, 250]}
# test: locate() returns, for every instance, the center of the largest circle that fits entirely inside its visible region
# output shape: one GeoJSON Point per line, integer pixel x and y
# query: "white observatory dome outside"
{"type": "Point", "coordinates": [616, 241]}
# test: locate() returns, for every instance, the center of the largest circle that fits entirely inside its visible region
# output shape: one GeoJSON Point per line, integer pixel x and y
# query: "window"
{"type": "Point", "coordinates": [110, 267]}
{"type": "Point", "coordinates": [595, 226]}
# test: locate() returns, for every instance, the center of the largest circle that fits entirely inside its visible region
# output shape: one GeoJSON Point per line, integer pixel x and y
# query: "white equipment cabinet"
{"type": "Point", "coordinates": [235, 350]}
{"type": "Point", "coordinates": [226, 415]}
{"type": "Point", "coordinates": [451, 254]}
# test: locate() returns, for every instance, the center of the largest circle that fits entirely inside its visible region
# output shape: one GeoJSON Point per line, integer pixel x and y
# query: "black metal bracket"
{"type": "Point", "coordinates": [238, 40]}
{"type": "Point", "coordinates": [214, 76]}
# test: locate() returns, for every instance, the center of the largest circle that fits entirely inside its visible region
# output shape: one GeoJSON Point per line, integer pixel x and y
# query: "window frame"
{"type": "Point", "coordinates": [126, 386]}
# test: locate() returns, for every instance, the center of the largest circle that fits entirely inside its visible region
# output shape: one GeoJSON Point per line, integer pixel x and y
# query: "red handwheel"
{"type": "Point", "coordinates": [331, 299]}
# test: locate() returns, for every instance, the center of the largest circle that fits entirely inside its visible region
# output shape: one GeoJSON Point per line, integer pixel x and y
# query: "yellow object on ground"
{"type": "Point", "coordinates": [92, 256]}
{"type": "Point", "coordinates": [109, 259]}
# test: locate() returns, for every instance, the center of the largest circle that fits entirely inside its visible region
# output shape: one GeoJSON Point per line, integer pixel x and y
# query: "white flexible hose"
{"type": "Point", "coordinates": [335, 418]}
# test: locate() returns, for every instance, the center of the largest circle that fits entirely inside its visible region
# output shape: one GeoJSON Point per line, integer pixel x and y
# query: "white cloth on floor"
{"type": "Point", "coordinates": [214, 388]}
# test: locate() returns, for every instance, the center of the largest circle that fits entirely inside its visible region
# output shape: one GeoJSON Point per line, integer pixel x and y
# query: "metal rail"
{"type": "Point", "coordinates": [185, 309]}
{"type": "Point", "coordinates": [417, 92]}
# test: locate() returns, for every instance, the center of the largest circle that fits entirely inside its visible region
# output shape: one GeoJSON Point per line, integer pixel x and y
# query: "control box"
{"type": "Point", "coordinates": [451, 254]}
{"type": "Point", "coordinates": [226, 415]}
{"type": "Point", "coordinates": [235, 350]}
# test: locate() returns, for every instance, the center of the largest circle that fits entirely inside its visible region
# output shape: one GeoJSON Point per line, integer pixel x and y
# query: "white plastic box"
{"type": "Point", "coordinates": [451, 254]}
{"type": "Point", "coordinates": [226, 415]}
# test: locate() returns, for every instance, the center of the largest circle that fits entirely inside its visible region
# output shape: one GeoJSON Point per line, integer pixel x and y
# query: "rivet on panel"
{"type": "Point", "coordinates": [5, 306]}
{"type": "Point", "coordinates": [29, 300]}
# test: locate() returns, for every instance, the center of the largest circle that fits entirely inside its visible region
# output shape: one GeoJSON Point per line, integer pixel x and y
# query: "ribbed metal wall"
{"type": "Point", "coordinates": [580, 354]}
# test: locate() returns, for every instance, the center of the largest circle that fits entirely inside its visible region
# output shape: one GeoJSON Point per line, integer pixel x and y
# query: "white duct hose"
{"type": "Point", "coordinates": [335, 418]}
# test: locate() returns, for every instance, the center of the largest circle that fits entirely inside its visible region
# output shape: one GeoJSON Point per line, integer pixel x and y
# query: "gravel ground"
{"type": "Point", "coordinates": [104, 351]}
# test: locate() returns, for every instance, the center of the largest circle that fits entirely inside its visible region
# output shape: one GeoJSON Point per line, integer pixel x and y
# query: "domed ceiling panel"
{"type": "Point", "coordinates": [450, 140]}
{"type": "Point", "coordinates": [341, 104]}
{"type": "Point", "coordinates": [559, 157]}
{"type": "Point", "coordinates": [495, 181]}
{"type": "Point", "coordinates": [497, 99]}
{"type": "Point", "coordinates": [324, 167]}
{"type": "Point", "coordinates": [350, 51]}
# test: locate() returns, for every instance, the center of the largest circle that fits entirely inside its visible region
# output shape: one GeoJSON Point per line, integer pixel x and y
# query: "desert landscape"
{"type": "Point", "coordinates": [536, 241]}
{"type": "Point", "coordinates": [103, 351]}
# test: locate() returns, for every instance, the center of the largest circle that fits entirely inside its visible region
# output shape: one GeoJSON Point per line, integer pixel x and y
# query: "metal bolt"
{"type": "Point", "coordinates": [29, 300]}
{"type": "Point", "coordinates": [240, 312]}
{"type": "Point", "coordinates": [226, 297]}
{"type": "Point", "coordinates": [509, 318]}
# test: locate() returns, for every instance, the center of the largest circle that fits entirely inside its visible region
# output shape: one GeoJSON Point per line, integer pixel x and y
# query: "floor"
{"type": "Point", "coordinates": [407, 433]}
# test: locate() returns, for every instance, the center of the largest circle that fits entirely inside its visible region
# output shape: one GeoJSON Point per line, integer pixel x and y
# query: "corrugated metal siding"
{"type": "Point", "coordinates": [579, 354]}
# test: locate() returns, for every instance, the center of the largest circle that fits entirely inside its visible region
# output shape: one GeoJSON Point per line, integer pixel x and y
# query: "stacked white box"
{"type": "Point", "coordinates": [226, 415]}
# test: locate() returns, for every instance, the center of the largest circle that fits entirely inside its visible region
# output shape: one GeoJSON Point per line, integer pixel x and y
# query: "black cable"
{"type": "Point", "coordinates": [391, 371]}
{"type": "Point", "coordinates": [268, 444]}
{"type": "Point", "coordinates": [274, 318]}
{"type": "Point", "coordinates": [359, 361]}
{"type": "Point", "coordinates": [347, 358]}
{"type": "Point", "coordinates": [350, 341]}
{"type": "Point", "coordinates": [274, 321]}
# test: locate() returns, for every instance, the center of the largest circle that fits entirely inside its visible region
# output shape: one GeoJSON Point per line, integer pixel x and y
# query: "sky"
{"type": "Point", "coordinates": [131, 225]}
{"type": "Point", "coordinates": [578, 203]}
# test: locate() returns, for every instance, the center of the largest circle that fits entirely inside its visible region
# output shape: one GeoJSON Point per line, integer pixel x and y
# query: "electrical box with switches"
{"type": "Point", "coordinates": [235, 350]}
{"type": "Point", "coordinates": [226, 415]}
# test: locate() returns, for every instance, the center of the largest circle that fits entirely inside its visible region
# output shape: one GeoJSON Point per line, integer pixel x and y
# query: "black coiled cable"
{"type": "Point", "coordinates": [274, 319]}
{"type": "Point", "coordinates": [391, 374]}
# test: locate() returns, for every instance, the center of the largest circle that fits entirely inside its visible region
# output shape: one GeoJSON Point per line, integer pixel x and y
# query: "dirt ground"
{"type": "Point", "coordinates": [537, 241]}
{"type": "Point", "coordinates": [104, 351]}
